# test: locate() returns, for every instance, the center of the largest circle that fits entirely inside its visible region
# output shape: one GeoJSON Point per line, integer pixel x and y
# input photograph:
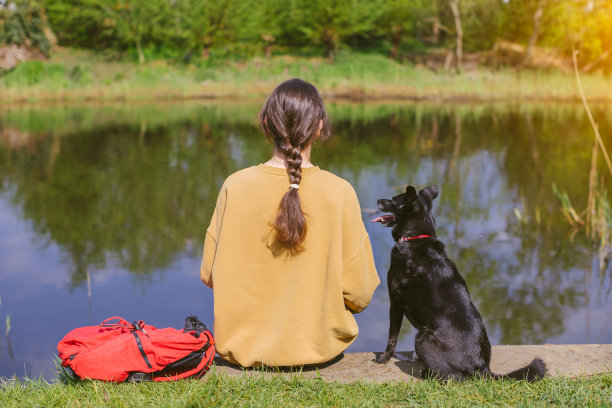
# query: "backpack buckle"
{"type": "Point", "coordinates": [138, 377]}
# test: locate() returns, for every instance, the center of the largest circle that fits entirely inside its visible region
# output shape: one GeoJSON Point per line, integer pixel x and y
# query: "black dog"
{"type": "Point", "coordinates": [425, 286]}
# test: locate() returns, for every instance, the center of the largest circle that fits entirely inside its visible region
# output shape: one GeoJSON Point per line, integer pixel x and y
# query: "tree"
{"type": "Point", "coordinates": [537, 20]}
{"type": "Point", "coordinates": [110, 23]}
{"type": "Point", "coordinates": [397, 20]}
{"type": "Point", "coordinates": [585, 26]}
{"type": "Point", "coordinates": [206, 24]}
{"type": "Point", "coordinates": [331, 23]}
{"type": "Point", "coordinates": [481, 24]}
{"type": "Point", "coordinates": [81, 23]}
{"type": "Point", "coordinates": [276, 22]}
{"type": "Point", "coordinates": [454, 6]}
{"type": "Point", "coordinates": [22, 22]}
{"type": "Point", "coordinates": [135, 20]}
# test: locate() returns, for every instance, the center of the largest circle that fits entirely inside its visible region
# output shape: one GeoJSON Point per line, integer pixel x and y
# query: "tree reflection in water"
{"type": "Point", "coordinates": [133, 187]}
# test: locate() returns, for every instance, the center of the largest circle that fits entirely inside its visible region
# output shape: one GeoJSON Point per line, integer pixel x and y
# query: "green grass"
{"type": "Point", "coordinates": [76, 75]}
{"type": "Point", "coordinates": [278, 391]}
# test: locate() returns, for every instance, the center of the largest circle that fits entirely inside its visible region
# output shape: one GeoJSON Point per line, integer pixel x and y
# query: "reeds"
{"type": "Point", "coordinates": [568, 209]}
{"type": "Point", "coordinates": [597, 216]}
{"type": "Point", "coordinates": [7, 331]}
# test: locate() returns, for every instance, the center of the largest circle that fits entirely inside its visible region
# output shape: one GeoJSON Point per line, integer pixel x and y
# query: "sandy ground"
{"type": "Point", "coordinates": [562, 360]}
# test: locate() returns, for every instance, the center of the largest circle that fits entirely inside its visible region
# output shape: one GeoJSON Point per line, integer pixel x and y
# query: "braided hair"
{"type": "Point", "coordinates": [291, 117]}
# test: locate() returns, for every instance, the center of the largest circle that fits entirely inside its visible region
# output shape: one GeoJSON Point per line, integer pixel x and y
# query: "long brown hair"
{"type": "Point", "coordinates": [291, 117]}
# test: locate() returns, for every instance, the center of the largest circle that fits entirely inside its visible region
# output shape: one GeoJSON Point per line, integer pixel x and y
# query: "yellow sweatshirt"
{"type": "Point", "coordinates": [284, 310]}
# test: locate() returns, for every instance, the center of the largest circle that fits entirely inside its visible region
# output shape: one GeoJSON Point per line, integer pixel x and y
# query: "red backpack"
{"type": "Point", "coordinates": [116, 350]}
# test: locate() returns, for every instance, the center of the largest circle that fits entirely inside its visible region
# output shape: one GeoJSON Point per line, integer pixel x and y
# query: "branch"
{"type": "Point", "coordinates": [601, 57]}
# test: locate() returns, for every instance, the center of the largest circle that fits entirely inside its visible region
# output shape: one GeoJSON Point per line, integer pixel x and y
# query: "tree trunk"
{"type": "Point", "coordinates": [207, 45]}
{"type": "Point", "coordinates": [396, 39]}
{"type": "Point", "coordinates": [141, 57]}
{"type": "Point", "coordinates": [434, 131]}
{"type": "Point", "coordinates": [268, 41]}
{"type": "Point", "coordinates": [454, 6]}
{"type": "Point", "coordinates": [436, 30]}
{"type": "Point", "coordinates": [329, 39]}
{"type": "Point", "coordinates": [205, 53]}
{"type": "Point", "coordinates": [330, 55]}
{"type": "Point", "coordinates": [448, 60]}
{"type": "Point", "coordinates": [537, 18]}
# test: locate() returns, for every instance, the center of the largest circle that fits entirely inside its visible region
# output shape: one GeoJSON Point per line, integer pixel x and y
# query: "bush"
{"type": "Point", "coordinates": [30, 73]}
{"type": "Point", "coordinates": [22, 23]}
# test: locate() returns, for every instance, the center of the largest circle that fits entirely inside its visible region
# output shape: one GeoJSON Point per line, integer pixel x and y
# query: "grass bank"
{"type": "Point", "coordinates": [77, 75]}
{"type": "Point", "coordinates": [281, 392]}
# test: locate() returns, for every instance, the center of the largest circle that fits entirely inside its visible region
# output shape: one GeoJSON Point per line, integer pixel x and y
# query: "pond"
{"type": "Point", "coordinates": [103, 210]}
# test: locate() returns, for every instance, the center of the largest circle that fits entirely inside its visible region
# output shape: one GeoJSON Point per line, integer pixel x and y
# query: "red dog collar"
{"type": "Point", "coordinates": [404, 239]}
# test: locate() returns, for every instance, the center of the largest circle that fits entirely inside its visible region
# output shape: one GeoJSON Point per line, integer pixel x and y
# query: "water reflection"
{"type": "Point", "coordinates": [109, 204]}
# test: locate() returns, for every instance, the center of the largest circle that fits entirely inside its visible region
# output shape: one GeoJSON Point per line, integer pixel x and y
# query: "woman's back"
{"type": "Point", "coordinates": [275, 308]}
{"type": "Point", "coordinates": [288, 277]}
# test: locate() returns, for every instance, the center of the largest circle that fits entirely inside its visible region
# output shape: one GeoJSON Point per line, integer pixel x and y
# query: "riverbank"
{"type": "Point", "coordinates": [75, 75]}
{"type": "Point", "coordinates": [566, 360]}
{"type": "Point", "coordinates": [580, 376]}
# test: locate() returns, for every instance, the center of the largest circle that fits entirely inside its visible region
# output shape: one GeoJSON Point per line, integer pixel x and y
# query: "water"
{"type": "Point", "coordinates": [103, 211]}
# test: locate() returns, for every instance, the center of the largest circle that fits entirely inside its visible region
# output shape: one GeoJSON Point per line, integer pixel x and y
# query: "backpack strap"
{"type": "Point", "coordinates": [139, 326]}
{"type": "Point", "coordinates": [121, 322]}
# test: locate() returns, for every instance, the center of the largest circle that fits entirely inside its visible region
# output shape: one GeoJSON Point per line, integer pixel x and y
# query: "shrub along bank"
{"type": "Point", "coordinates": [76, 75]}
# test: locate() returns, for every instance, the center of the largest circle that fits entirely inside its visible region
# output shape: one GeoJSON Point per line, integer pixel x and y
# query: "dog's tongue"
{"type": "Point", "coordinates": [383, 218]}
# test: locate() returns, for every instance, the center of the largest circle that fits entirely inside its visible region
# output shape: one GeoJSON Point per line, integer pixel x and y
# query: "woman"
{"type": "Point", "coordinates": [287, 277]}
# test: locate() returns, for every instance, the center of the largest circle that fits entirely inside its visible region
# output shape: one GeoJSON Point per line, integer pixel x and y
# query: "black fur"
{"type": "Point", "coordinates": [426, 287]}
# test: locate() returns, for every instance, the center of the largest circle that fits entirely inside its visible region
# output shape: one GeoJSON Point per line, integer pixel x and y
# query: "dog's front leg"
{"type": "Point", "coordinates": [396, 314]}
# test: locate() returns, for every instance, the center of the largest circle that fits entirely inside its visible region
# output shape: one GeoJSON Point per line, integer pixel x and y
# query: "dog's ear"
{"type": "Point", "coordinates": [411, 199]}
{"type": "Point", "coordinates": [430, 192]}
{"type": "Point", "coordinates": [410, 192]}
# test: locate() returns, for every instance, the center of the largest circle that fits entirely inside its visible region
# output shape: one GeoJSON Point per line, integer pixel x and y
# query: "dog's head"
{"type": "Point", "coordinates": [410, 212]}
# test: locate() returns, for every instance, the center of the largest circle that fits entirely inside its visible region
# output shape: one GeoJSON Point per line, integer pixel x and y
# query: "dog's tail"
{"type": "Point", "coordinates": [535, 370]}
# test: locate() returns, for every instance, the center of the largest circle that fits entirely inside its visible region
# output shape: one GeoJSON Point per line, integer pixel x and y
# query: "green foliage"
{"type": "Point", "coordinates": [198, 29]}
{"type": "Point", "coordinates": [115, 23]}
{"type": "Point", "coordinates": [203, 25]}
{"type": "Point", "coordinates": [582, 25]}
{"type": "Point", "coordinates": [80, 23]}
{"type": "Point", "coordinates": [22, 22]}
{"type": "Point", "coordinates": [136, 21]}
{"type": "Point", "coordinates": [30, 73]}
{"type": "Point", "coordinates": [64, 375]}
{"type": "Point", "coordinates": [332, 23]}
{"type": "Point", "coordinates": [86, 75]}
{"type": "Point", "coordinates": [396, 21]}
{"type": "Point", "coordinates": [276, 22]}
{"type": "Point", "coordinates": [482, 23]}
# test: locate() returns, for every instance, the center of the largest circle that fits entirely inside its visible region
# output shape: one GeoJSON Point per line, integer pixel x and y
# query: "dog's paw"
{"type": "Point", "coordinates": [382, 358]}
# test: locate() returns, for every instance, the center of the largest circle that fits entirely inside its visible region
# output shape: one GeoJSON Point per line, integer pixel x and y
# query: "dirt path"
{"type": "Point", "coordinates": [565, 360]}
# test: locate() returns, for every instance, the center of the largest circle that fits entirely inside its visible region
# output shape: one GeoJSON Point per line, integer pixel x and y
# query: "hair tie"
{"type": "Point", "coordinates": [296, 186]}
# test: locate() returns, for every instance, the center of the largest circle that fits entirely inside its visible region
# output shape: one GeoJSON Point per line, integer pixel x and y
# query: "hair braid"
{"type": "Point", "coordinates": [290, 222]}
{"type": "Point", "coordinates": [294, 165]}
{"type": "Point", "coordinates": [292, 116]}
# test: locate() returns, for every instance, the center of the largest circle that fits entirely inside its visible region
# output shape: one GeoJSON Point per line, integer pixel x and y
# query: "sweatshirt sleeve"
{"type": "Point", "coordinates": [212, 236]}
{"type": "Point", "coordinates": [359, 276]}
